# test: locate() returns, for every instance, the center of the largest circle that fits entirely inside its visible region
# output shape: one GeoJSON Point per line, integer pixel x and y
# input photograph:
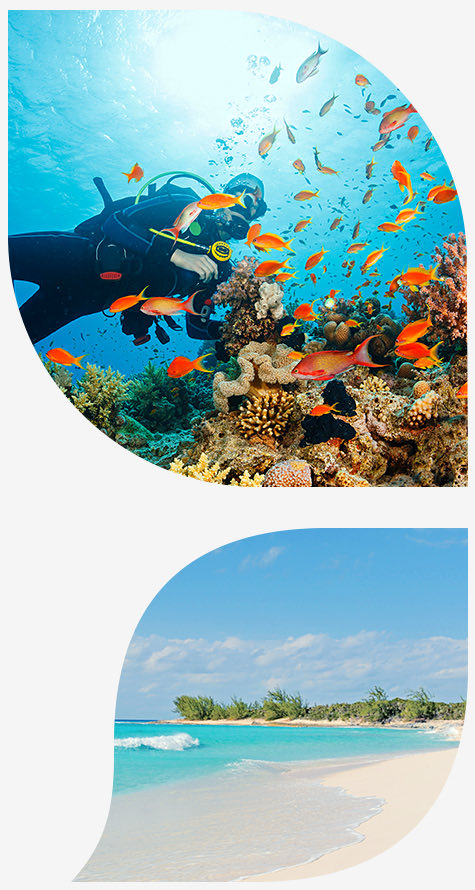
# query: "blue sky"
{"type": "Point", "coordinates": [325, 612]}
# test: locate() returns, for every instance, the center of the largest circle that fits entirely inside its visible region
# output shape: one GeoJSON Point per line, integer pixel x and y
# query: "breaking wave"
{"type": "Point", "coordinates": [177, 742]}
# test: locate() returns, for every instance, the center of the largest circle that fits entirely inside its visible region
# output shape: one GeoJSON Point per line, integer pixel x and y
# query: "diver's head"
{"type": "Point", "coordinates": [235, 221]}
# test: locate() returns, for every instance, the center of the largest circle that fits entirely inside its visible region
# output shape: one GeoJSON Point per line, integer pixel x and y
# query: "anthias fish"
{"type": "Point", "coordinates": [63, 357]}
{"type": "Point", "coordinates": [314, 259]}
{"type": "Point", "coordinates": [267, 142]}
{"type": "Point", "coordinates": [220, 200]}
{"type": "Point", "coordinates": [310, 67]}
{"type": "Point", "coordinates": [168, 306]}
{"type": "Point", "coordinates": [403, 179]}
{"type": "Point", "coordinates": [290, 135]}
{"type": "Point", "coordinates": [124, 303]}
{"type": "Point", "coordinates": [299, 165]}
{"type": "Point", "coordinates": [306, 312]}
{"type": "Point", "coordinates": [301, 225]}
{"type": "Point", "coordinates": [275, 74]}
{"type": "Point", "coordinates": [270, 241]}
{"type": "Point", "coordinates": [270, 267]}
{"type": "Point", "coordinates": [253, 232]}
{"type": "Point", "coordinates": [414, 331]}
{"type": "Point", "coordinates": [184, 219]}
{"type": "Point", "coordinates": [305, 195]}
{"type": "Point", "coordinates": [182, 365]}
{"type": "Point", "coordinates": [320, 410]}
{"type": "Point", "coordinates": [361, 80]}
{"type": "Point", "coordinates": [327, 105]}
{"type": "Point", "coordinates": [329, 363]}
{"type": "Point", "coordinates": [393, 120]}
{"type": "Point", "coordinates": [135, 173]}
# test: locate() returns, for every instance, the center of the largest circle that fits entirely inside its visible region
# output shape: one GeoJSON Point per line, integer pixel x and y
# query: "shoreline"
{"type": "Point", "coordinates": [408, 785]}
{"type": "Point", "coordinates": [436, 725]}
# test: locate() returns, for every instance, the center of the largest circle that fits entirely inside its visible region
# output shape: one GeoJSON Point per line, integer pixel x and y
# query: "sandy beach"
{"type": "Point", "coordinates": [409, 786]}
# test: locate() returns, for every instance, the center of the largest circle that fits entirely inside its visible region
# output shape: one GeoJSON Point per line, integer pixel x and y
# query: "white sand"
{"type": "Point", "coordinates": [409, 786]}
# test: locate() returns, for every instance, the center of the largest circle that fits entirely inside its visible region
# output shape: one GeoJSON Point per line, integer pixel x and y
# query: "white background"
{"type": "Point", "coordinates": [91, 532]}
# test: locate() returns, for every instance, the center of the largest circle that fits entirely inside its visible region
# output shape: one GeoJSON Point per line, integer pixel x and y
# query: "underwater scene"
{"type": "Point", "coordinates": [237, 248]}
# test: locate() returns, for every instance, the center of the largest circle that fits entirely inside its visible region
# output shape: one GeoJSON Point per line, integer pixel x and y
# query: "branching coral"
{"type": "Point", "coordinates": [289, 474]}
{"type": "Point", "coordinates": [255, 307]}
{"type": "Point", "coordinates": [372, 383]}
{"type": "Point", "coordinates": [207, 472]}
{"type": "Point", "coordinates": [263, 366]}
{"type": "Point", "coordinates": [99, 395]}
{"type": "Point", "coordinates": [61, 376]}
{"type": "Point", "coordinates": [248, 481]}
{"type": "Point", "coordinates": [446, 299]}
{"type": "Point", "coordinates": [265, 415]}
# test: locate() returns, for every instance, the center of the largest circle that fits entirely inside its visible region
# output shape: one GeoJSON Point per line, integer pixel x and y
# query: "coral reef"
{"type": "Point", "coordinates": [265, 415]}
{"type": "Point", "coordinates": [263, 366]}
{"type": "Point", "coordinates": [324, 428]}
{"type": "Point", "coordinates": [343, 479]}
{"type": "Point", "coordinates": [289, 474]}
{"type": "Point", "coordinates": [348, 324]}
{"type": "Point", "coordinates": [335, 393]}
{"type": "Point", "coordinates": [61, 375]}
{"type": "Point", "coordinates": [248, 481]}
{"type": "Point", "coordinates": [99, 395]}
{"type": "Point", "coordinates": [373, 383]}
{"type": "Point", "coordinates": [207, 472]}
{"type": "Point", "coordinates": [255, 307]}
{"type": "Point", "coordinates": [157, 401]}
{"type": "Point", "coordinates": [445, 299]}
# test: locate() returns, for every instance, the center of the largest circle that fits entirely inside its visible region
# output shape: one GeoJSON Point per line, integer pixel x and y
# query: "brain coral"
{"type": "Point", "coordinates": [263, 366]}
{"type": "Point", "coordinates": [289, 474]}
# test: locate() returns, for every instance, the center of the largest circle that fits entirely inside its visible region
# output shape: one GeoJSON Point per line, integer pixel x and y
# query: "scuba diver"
{"type": "Point", "coordinates": [127, 247]}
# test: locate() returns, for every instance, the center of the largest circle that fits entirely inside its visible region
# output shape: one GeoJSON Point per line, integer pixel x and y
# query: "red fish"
{"type": "Point", "coordinates": [406, 215]}
{"type": "Point", "coordinates": [416, 351]}
{"type": "Point", "coordinates": [418, 277]}
{"type": "Point", "coordinates": [63, 357]}
{"type": "Point", "coordinates": [462, 393]}
{"type": "Point", "coordinates": [270, 267]}
{"type": "Point", "coordinates": [305, 312]}
{"type": "Point", "coordinates": [288, 329]}
{"type": "Point", "coordinates": [313, 277]}
{"type": "Point", "coordinates": [329, 363]}
{"type": "Point", "coordinates": [253, 232]}
{"type": "Point", "coordinates": [168, 306]}
{"type": "Point", "coordinates": [320, 410]}
{"type": "Point", "coordinates": [135, 173]}
{"type": "Point", "coordinates": [393, 120]}
{"type": "Point", "coordinates": [184, 219]}
{"type": "Point", "coordinates": [444, 195]}
{"type": "Point", "coordinates": [182, 365]}
{"type": "Point", "coordinates": [412, 133]}
{"type": "Point", "coordinates": [361, 80]}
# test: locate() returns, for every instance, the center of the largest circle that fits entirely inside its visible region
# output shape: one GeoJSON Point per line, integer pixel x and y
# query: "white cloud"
{"type": "Point", "coordinates": [261, 560]}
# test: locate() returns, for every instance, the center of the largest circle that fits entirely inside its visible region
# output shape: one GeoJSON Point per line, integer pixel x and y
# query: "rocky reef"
{"type": "Point", "coordinates": [255, 307]}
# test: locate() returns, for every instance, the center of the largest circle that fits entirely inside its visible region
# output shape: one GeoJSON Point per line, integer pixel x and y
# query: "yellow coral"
{"type": "Point", "coordinates": [201, 470]}
{"type": "Point", "coordinates": [344, 479]}
{"type": "Point", "coordinates": [248, 481]}
{"type": "Point", "coordinates": [423, 410]}
{"type": "Point", "coordinates": [374, 384]}
{"type": "Point", "coordinates": [263, 366]}
{"type": "Point", "coordinates": [266, 414]}
{"type": "Point", "coordinates": [99, 395]}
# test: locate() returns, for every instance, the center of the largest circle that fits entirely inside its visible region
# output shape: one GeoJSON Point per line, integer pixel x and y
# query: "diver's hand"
{"type": "Point", "coordinates": [202, 265]}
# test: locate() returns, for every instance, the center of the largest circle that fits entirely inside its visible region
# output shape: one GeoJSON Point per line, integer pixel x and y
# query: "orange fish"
{"type": "Point", "coordinates": [219, 200]}
{"type": "Point", "coordinates": [305, 312]}
{"type": "Point", "coordinates": [380, 143]}
{"type": "Point", "coordinates": [361, 80]}
{"type": "Point", "coordinates": [351, 323]}
{"type": "Point", "coordinates": [356, 230]}
{"type": "Point", "coordinates": [299, 165]}
{"type": "Point", "coordinates": [434, 191]}
{"type": "Point", "coordinates": [368, 195]}
{"type": "Point", "coordinates": [168, 306]}
{"type": "Point", "coordinates": [314, 259]}
{"type": "Point", "coordinates": [313, 277]}
{"type": "Point", "coordinates": [284, 276]}
{"type": "Point", "coordinates": [393, 120]}
{"type": "Point", "coordinates": [389, 227]}
{"type": "Point", "coordinates": [427, 176]}
{"type": "Point", "coordinates": [270, 267]}
{"type": "Point", "coordinates": [305, 195]}
{"type": "Point", "coordinates": [320, 410]}
{"type": "Point", "coordinates": [373, 258]}
{"type": "Point", "coordinates": [403, 179]}
{"type": "Point", "coordinates": [135, 173]}
{"type": "Point", "coordinates": [63, 357]}
{"type": "Point", "coordinates": [427, 362]}
{"type": "Point", "coordinates": [444, 195]}
{"type": "Point", "coordinates": [301, 224]}
{"type": "Point", "coordinates": [369, 168]}
{"type": "Point", "coordinates": [182, 365]}
{"type": "Point", "coordinates": [324, 269]}
{"type": "Point", "coordinates": [336, 222]}
{"type": "Point", "coordinates": [253, 232]}
{"type": "Point", "coordinates": [414, 331]}
{"type": "Point", "coordinates": [412, 133]}
{"type": "Point", "coordinates": [415, 351]}
{"type": "Point", "coordinates": [288, 329]}
{"type": "Point", "coordinates": [267, 142]}
{"type": "Point", "coordinates": [269, 241]}
{"type": "Point", "coordinates": [184, 219]}
{"type": "Point", "coordinates": [328, 170]}
{"type": "Point", "coordinates": [126, 302]}
{"type": "Point", "coordinates": [358, 245]}
{"type": "Point", "coordinates": [406, 215]}
{"type": "Point", "coordinates": [329, 363]}
{"type": "Point", "coordinates": [295, 355]}
{"type": "Point", "coordinates": [418, 276]}
{"type": "Point", "coordinates": [462, 393]}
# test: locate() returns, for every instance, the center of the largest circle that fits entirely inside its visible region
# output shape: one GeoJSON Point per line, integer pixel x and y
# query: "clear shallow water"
{"type": "Point", "coordinates": [91, 92]}
{"type": "Point", "coordinates": [147, 755]}
{"type": "Point", "coordinates": [252, 801]}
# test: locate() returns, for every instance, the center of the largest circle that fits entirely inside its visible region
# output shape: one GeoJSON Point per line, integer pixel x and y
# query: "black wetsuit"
{"type": "Point", "coordinates": [67, 266]}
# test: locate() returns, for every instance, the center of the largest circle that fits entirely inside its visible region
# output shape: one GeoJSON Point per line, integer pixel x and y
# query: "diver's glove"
{"type": "Point", "coordinates": [204, 267]}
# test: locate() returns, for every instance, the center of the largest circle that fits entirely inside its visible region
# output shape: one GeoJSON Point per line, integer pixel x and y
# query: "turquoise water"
{"type": "Point", "coordinates": [91, 92]}
{"type": "Point", "coordinates": [147, 755]}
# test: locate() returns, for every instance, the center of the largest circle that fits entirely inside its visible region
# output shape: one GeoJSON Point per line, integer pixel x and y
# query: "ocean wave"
{"type": "Point", "coordinates": [177, 742]}
{"type": "Point", "coordinates": [249, 765]}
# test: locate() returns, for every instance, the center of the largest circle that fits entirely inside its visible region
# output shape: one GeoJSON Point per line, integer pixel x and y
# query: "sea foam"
{"type": "Point", "coordinates": [177, 742]}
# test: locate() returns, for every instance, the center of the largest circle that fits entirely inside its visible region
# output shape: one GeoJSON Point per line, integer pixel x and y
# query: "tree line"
{"type": "Point", "coordinates": [377, 707]}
